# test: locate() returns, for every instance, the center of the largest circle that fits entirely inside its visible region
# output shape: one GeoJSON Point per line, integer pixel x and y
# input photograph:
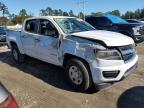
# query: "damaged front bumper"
{"type": "Point", "coordinates": [108, 75]}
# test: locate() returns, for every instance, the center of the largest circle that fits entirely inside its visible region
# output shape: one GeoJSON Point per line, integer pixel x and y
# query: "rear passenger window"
{"type": "Point", "coordinates": [30, 26]}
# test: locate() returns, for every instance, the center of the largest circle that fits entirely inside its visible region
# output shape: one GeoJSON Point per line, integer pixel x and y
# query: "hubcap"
{"type": "Point", "coordinates": [75, 75]}
{"type": "Point", "coordinates": [15, 54]}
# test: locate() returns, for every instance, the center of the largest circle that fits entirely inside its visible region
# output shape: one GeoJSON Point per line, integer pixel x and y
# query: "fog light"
{"type": "Point", "coordinates": [111, 74]}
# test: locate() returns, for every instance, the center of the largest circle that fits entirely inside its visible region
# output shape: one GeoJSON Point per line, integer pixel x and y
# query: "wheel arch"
{"type": "Point", "coordinates": [16, 44]}
{"type": "Point", "coordinates": [67, 57]}
{"type": "Point", "coordinates": [71, 56]}
{"type": "Point", "coordinates": [12, 43]}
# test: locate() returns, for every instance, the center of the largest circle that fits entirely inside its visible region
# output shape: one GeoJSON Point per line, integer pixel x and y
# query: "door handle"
{"type": "Point", "coordinates": [37, 39]}
{"type": "Point", "coordinates": [24, 36]}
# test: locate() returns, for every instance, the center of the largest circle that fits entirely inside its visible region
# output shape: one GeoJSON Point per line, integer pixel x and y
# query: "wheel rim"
{"type": "Point", "coordinates": [15, 54]}
{"type": "Point", "coordinates": [75, 75]}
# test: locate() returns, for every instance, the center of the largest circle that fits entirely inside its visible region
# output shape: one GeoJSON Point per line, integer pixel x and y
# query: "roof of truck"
{"type": "Point", "coordinates": [50, 17]}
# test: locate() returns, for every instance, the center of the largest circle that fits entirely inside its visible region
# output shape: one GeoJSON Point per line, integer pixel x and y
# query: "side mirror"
{"type": "Point", "coordinates": [52, 32]}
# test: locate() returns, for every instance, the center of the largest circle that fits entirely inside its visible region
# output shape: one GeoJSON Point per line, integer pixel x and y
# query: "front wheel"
{"type": "Point", "coordinates": [17, 56]}
{"type": "Point", "coordinates": [78, 75]}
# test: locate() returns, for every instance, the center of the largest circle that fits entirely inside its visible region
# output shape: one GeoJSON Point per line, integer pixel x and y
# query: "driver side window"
{"type": "Point", "coordinates": [46, 28]}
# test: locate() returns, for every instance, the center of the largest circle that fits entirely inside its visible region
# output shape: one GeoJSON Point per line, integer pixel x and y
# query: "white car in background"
{"type": "Point", "coordinates": [142, 20]}
{"type": "Point", "coordinates": [89, 56]}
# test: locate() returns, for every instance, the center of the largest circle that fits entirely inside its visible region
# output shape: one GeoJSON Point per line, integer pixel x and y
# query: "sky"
{"type": "Point", "coordinates": [34, 6]}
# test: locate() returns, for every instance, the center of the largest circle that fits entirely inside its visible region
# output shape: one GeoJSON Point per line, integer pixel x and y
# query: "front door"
{"type": "Point", "coordinates": [47, 42]}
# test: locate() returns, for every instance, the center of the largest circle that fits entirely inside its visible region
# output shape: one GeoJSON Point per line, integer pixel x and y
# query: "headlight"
{"type": "Point", "coordinates": [136, 30]}
{"type": "Point", "coordinates": [108, 54]}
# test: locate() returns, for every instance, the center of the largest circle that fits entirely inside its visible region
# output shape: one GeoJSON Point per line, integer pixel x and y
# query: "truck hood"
{"type": "Point", "coordinates": [111, 39]}
{"type": "Point", "coordinates": [131, 25]}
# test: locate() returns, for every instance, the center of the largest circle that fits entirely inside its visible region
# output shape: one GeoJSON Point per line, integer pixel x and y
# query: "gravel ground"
{"type": "Point", "coordinates": [36, 84]}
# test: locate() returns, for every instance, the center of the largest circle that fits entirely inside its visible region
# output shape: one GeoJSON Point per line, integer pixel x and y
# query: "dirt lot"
{"type": "Point", "coordinates": [39, 85]}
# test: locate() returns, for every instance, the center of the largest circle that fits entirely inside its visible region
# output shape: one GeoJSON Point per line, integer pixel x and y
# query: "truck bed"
{"type": "Point", "coordinates": [14, 35]}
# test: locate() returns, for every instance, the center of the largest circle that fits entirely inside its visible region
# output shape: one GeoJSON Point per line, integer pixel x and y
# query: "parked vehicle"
{"type": "Point", "coordinates": [133, 21]}
{"type": "Point", "coordinates": [89, 56]}
{"type": "Point", "coordinates": [142, 20]}
{"type": "Point", "coordinates": [6, 99]}
{"type": "Point", "coordinates": [117, 24]}
{"type": "Point", "coordinates": [2, 34]}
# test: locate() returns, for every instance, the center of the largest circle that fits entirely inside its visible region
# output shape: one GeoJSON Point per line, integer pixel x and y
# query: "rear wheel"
{"type": "Point", "coordinates": [78, 75]}
{"type": "Point", "coordinates": [17, 56]}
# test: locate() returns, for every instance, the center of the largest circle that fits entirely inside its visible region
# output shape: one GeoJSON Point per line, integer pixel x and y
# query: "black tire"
{"type": "Point", "coordinates": [20, 57]}
{"type": "Point", "coordinates": [87, 79]}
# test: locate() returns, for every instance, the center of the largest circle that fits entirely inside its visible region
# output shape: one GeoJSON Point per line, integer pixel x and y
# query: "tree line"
{"type": "Point", "coordinates": [138, 14]}
{"type": "Point", "coordinates": [12, 19]}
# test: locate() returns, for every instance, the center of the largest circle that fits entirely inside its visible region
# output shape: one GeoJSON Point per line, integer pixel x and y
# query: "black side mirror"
{"type": "Point", "coordinates": [52, 32]}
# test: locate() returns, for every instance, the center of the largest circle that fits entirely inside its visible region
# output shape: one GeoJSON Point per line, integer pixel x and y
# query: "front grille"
{"type": "Point", "coordinates": [128, 52]}
{"type": "Point", "coordinates": [128, 56]}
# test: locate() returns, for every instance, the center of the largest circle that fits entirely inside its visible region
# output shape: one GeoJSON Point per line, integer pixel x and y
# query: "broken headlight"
{"type": "Point", "coordinates": [108, 54]}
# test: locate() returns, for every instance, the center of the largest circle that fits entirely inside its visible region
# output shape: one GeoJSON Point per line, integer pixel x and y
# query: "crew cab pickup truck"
{"type": "Point", "coordinates": [89, 56]}
{"type": "Point", "coordinates": [117, 24]}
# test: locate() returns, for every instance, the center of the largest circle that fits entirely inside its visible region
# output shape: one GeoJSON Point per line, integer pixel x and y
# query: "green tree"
{"type": "Point", "coordinates": [65, 14]}
{"type": "Point", "coordinates": [23, 12]}
{"type": "Point", "coordinates": [71, 13]}
{"type": "Point", "coordinates": [43, 12]}
{"type": "Point", "coordinates": [60, 12]}
{"type": "Point", "coordinates": [30, 14]}
{"type": "Point", "coordinates": [4, 9]}
{"type": "Point", "coordinates": [137, 13]}
{"type": "Point", "coordinates": [115, 12]}
{"type": "Point", "coordinates": [49, 11]}
{"type": "Point", "coordinates": [3, 20]}
{"type": "Point", "coordinates": [55, 12]}
{"type": "Point", "coordinates": [142, 13]}
{"type": "Point", "coordinates": [21, 17]}
{"type": "Point", "coordinates": [11, 17]}
{"type": "Point", "coordinates": [129, 15]}
{"type": "Point", "coordinates": [81, 15]}
{"type": "Point", "coordinates": [96, 14]}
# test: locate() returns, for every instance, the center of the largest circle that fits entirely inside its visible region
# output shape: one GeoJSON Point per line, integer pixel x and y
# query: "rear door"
{"type": "Point", "coordinates": [28, 37]}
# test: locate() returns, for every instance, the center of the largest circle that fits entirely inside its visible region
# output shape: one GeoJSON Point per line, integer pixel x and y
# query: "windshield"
{"type": "Point", "coordinates": [115, 19]}
{"type": "Point", "coordinates": [73, 25]}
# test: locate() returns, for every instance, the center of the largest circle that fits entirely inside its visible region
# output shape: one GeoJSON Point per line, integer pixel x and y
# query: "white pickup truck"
{"type": "Point", "coordinates": [89, 56]}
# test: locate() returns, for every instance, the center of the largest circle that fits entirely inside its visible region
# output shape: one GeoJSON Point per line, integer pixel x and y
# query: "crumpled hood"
{"type": "Point", "coordinates": [109, 38]}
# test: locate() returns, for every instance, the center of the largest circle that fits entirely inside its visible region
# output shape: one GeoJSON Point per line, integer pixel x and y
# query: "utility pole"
{"type": "Point", "coordinates": [83, 6]}
{"type": "Point", "coordinates": [78, 3]}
